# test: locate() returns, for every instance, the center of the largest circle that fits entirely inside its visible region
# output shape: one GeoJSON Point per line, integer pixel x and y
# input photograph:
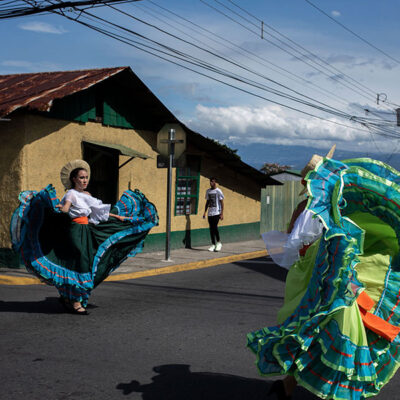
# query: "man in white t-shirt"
{"type": "Point", "coordinates": [215, 206]}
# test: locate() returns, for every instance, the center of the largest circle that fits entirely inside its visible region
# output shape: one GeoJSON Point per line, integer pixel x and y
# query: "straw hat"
{"type": "Point", "coordinates": [315, 159]}
{"type": "Point", "coordinates": [68, 168]}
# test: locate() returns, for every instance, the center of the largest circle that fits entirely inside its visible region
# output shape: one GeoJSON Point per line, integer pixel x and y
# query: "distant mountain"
{"type": "Point", "coordinates": [297, 156]}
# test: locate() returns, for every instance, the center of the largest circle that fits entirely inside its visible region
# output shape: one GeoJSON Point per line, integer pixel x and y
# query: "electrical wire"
{"type": "Point", "coordinates": [235, 64]}
{"type": "Point", "coordinates": [389, 134]}
{"type": "Point", "coordinates": [352, 32]}
{"type": "Point", "coordinates": [332, 111]}
{"type": "Point", "coordinates": [263, 61]}
{"type": "Point", "coordinates": [311, 56]}
{"type": "Point", "coordinates": [38, 7]}
{"type": "Point", "coordinates": [157, 18]}
{"type": "Point", "coordinates": [174, 53]}
{"type": "Point", "coordinates": [362, 92]}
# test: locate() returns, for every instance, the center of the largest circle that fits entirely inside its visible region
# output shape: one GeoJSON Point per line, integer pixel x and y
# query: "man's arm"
{"type": "Point", "coordinates": [221, 216]}
{"type": "Point", "coordinates": [205, 209]}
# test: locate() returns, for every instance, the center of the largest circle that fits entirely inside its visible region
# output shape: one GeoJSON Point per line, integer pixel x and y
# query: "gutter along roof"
{"type": "Point", "coordinates": [38, 91]}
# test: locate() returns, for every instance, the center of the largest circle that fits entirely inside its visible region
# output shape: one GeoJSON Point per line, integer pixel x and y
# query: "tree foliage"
{"type": "Point", "coordinates": [273, 168]}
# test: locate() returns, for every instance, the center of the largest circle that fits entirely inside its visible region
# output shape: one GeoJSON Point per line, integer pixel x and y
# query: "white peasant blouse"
{"type": "Point", "coordinates": [284, 248]}
{"type": "Point", "coordinates": [84, 205]}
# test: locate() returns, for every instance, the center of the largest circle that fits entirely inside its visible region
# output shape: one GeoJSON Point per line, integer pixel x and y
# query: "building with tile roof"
{"type": "Point", "coordinates": [110, 118]}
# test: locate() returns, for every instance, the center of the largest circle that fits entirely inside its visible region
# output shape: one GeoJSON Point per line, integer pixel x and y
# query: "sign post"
{"type": "Point", "coordinates": [171, 141]}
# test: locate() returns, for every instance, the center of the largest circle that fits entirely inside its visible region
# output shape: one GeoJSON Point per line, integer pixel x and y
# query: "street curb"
{"type": "Point", "coordinates": [188, 266]}
{"type": "Point", "coordinates": [17, 280]}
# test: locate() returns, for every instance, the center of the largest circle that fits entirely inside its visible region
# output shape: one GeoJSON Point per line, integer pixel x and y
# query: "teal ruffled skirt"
{"type": "Point", "coordinates": [72, 257]}
{"type": "Point", "coordinates": [337, 332]}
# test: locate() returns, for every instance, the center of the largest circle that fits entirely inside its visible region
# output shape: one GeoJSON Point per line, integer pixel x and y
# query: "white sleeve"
{"type": "Point", "coordinates": [100, 213]}
{"type": "Point", "coordinates": [284, 248]}
{"type": "Point", "coordinates": [69, 196]}
{"type": "Point", "coordinates": [221, 195]}
{"type": "Point", "coordinates": [306, 230]}
{"type": "Point", "coordinates": [206, 197]}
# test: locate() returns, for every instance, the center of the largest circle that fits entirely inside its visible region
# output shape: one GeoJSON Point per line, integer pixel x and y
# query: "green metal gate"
{"type": "Point", "coordinates": [277, 205]}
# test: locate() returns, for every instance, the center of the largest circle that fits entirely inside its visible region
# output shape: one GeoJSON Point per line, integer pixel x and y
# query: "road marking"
{"type": "Point", "coordinates": [188, 266]}
{"type": "Point", "coordinates": [18, 280]}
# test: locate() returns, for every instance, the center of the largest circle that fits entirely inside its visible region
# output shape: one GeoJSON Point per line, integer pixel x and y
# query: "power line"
{"type": "Point", "coordinates": [191, 36]}
{"type": "Point", "coordinates": [339, 78]}
{"type": "Point", "coordinates": [352, 32]}
{"type": "Point", "coordinates": [334, 110]}
{"type": "Point", "coordinates": [255, 84]}
{"type": "Point", "coordinates": [176, 54]}
{"type": "Point", "coordinates": [288, 74]}
{"type": "Point", "coordinates": [38, 7]}
{"type": "Point", "coordinates": [128, 41]}
{"type": "Point", "coordinates": [358, 90]}
{"type": "Point", "coordinates": [314, 56]}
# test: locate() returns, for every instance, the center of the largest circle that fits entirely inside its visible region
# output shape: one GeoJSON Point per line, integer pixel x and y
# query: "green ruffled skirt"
{"type": "Point", "coordinates": [322, 338]}
{"type": "Point", "coordinates": [76, 258]}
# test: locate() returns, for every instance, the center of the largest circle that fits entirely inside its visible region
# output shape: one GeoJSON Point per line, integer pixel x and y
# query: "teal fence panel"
{"type": "Point", "coordinates": [278, 204]}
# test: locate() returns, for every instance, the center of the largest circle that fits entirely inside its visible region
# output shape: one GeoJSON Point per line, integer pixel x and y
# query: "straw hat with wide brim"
{"type": "Point", "coordinates": [315, 159]}
{"type": "Point", "coordinates": [68, 168]}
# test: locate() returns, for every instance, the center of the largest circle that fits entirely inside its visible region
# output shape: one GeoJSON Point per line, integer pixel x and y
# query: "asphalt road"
{"type": "Point", "coordinates": [168, 337]}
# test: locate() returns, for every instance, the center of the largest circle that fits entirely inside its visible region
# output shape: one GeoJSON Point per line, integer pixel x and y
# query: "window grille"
{"type": "Point", "coordinates": [187, 187]}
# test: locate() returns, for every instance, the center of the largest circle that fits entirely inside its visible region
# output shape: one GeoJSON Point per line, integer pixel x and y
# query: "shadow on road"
{"type": "Point", "coordinates": [195, 290]}
{"type": "Point", "coordinates": [50, 305]}
{"type": "Point", "coordinates": [177, 382]}
{"type": "Point", "coordinates": [266, 266]}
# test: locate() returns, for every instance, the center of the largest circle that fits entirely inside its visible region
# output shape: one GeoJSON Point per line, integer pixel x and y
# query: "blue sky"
{"type": "Point", "coordinates": [261, 129]}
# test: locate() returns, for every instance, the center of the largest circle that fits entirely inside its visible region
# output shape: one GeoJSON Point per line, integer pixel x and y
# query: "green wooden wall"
{"type": "Point", "coordinates": [277, 205]}
{"type": "Point", "coordinates": [77, 107]}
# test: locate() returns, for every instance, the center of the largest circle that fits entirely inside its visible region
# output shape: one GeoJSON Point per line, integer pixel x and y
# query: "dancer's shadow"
{"type": "Point", "coordinates": [266, 266]}
{"type": "Point", "coordinates": [176, 382]}
{"type": "Point", "coordinates": [50, 305]}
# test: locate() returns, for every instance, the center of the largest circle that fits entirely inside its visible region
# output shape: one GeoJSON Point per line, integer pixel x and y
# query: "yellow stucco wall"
{"type": "Point", "coordinates": [50, 143]}
{"type": "Point", "coordinates": [12, 138]}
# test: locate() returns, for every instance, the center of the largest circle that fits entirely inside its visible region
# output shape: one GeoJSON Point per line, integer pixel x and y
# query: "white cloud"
{"type": "Point", "coordinates": [336, 13]}
{"type": "Point", "coordinates": [14, 66]}
{"type": "Point", "coordinates": [242, 125]}
{"type": "Point", "coordinates": [43, 27]}
{"type": "Point", "coordinates": [17, 63]}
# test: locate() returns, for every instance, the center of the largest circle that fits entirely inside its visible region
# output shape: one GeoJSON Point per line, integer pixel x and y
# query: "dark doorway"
{"type": "Point", "coordinates": [103, 163]}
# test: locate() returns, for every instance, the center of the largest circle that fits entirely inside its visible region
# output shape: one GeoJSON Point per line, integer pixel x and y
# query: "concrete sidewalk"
{"type": "Point", "coordinates": [148, 264]}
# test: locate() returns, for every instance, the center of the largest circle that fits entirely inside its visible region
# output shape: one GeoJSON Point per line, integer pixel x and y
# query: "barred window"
{"type": "Point", "coordinates": [187, 187]}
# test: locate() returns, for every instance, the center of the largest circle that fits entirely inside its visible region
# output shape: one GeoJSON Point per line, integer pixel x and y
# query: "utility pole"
{"type": "Point", "coordinates": [171, 141]}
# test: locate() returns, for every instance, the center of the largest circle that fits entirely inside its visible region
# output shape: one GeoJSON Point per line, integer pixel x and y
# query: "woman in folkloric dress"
{"type": "Point", "coordinates": [337, 332]}
{"type": "Point", "coordinates": [74, 245]}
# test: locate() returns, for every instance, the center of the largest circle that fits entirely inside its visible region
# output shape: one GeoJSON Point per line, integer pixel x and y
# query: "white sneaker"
{"type": "Point", "coordinates": [212, 248]}
{"type": "Point", "coordinates": [218, 247]}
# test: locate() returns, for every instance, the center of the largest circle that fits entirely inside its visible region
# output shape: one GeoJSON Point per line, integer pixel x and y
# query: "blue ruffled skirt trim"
{"type": "Point", "coordinates": [310, 344]}
{"type": "Point", "coordinates": [26, 224]}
